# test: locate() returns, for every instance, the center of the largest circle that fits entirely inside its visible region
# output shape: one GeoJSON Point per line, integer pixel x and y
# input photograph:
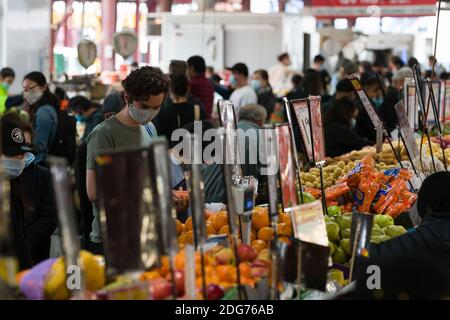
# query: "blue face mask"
{"type": "Point", "coordinates": [255, 84]}
{"type": "Point", "coordinates": [80, 118]}
{"type": "Point", "coordinates": [13, 167]}
{"type": "Point", "coordinates": [378, 101]}
{"type": "Point", "coordinates": [29, 158]}
{"type": "Point", "coordinates": [233, 81]}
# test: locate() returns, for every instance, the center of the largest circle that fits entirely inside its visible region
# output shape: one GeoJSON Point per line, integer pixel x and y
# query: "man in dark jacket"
{"type": "Point", "coordinates": [432, 237]}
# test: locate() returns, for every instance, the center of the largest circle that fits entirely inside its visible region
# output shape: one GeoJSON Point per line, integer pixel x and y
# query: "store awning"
{"type": "Point", "coordinates": [332, 9]}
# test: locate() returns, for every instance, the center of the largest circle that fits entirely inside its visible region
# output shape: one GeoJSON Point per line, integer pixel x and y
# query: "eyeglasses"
{"type": "Point", "coordinates": [24, 89]}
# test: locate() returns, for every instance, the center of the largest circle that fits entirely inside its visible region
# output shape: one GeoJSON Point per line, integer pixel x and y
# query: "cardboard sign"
{"type": "Point", "coordinates": [411, 103]}
{"type": "Point", "coordinates": [312, 263]}
{"type": "Point", "coordinates": [309, 223]}
{"type": "Point", "coordinates": [406, 130]}
{"type": "Point", "coordinates": [445, 114]}
{"type": "Point", "coordinates": [316, 122]}
{"type": "Point", "coordinates": [365, 100]}
{"type": "Point", "coordinates": [288, 182]}
{"type": "Point", "coordinates": [437, 93]}
{"type": "Point", "coordinates": [130, 223]}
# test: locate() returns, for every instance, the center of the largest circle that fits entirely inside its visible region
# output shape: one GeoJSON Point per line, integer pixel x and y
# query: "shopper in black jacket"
{"type": "Point", "coordinates": [432, 237]}
{"type": "Point", "coordinates": [12, 160]}
{"type": "Point", "coordinates": [40, 211]}
{"type": "Point", "coordinates": [339, 135]}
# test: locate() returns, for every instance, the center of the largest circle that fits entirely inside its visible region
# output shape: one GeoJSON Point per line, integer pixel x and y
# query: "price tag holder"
{"type": "Point", "coordinates": [309, 223]}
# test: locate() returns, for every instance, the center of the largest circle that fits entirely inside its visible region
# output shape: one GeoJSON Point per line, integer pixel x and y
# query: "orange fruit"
{"type": "Point", "coordinates": [246, 281]}
{"type": "Point", "coordinates": [188, 224]}
{"type": "Point", "coordinates": [220, 220]}
{"type": "Point", "coordinates": [260, 218]}
{"type": "Point", "coordinates": [284, 239]}
{"type": "Point", "coordinates": [211, 219]}
{"type": "Point", "coordinates": [224, 230]}
{"type": "Point", "coordinates": [226, 285]}
{"type": "Point", "coordinates": [150, 275]}
{"type": "Point", "coordinates": [189, 237]}
{"type": "Point", "coordinates": [179, 260]}
{"type": "Point", "coordinates": [179, 226]}
{"type": "Point", "coordinates": [209, 271]}
{"type": "Point", "coordinates": [164, 269]}
{"type": "Point", "coordinates": [210, 228]}
{"type": "Point", "coordinates": [208, 280]}
{"type": "Point", "coordinates": [285, 218]}
{"type": "Point", "coordinates": [208, 214]}
{"type": "Point", "coordinates": [258, 245]}
{"type": "Point", "coordinates": [252, 236]}
{"type": "Point", "coordinates": [227, 273]}
{"type": "Point", "coordinates": [266, 234]}
{"type": "Point", "coordinates": [245, 269]}
{"type": "Point", "coordinates": [283, 229]}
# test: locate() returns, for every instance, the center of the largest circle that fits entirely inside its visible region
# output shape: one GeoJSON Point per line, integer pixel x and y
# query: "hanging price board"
{"type": "Point", "coordinates": [287, 167]}
{"type": "Point", "coordinates": [316, 122]}
{"type": "Point", "coordinates": [125, 43]}
{"type": "Point", "coordinates": [406, 130]}
{"type": "Point", "coordinates": [87, 53]}
{"type": "Point", "coordinates": [362, 95]}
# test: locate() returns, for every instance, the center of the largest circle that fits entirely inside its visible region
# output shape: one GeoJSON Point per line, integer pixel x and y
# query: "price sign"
{"type": "Point", "coordinates": [287, 167]}
{"type": "Point", "coordinates": [411, 103]}
{"type": "Point", "coordinates": [406, 130]}
{"type": "Point", "coordinates": [436, 85]}
{"type": "Point", "coordinates": [365, 100]}
{"type": "Point", "coordinates": [309, 223]}
{"type": "Point", "coordinates": [445, 114]}
{"type": "Point", "coordinates": [318, 139]}
{"type": "Point", "coordinates": [302, 114]}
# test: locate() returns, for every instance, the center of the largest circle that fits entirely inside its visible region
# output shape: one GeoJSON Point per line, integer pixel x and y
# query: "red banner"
{"type": "Point", "coordinates": [372, 8]}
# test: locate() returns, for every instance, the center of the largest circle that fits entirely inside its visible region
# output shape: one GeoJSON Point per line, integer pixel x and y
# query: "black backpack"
{"type": "Point", "coordinates": [64, 144]}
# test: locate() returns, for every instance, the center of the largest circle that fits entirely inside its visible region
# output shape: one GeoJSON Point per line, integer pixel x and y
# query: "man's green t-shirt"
{"type": "Point", "coordinates": [111, 135]}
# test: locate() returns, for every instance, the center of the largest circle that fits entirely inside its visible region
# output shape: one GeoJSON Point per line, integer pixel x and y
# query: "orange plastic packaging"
{"type": "Point", "coordinates": [336, 191]}
{"type": "Point", "coordinates": [393, 195]}
{"type": "Point", "coordinates": [368, 188]}
{"type": "Point", "coordinates": [397, 208]}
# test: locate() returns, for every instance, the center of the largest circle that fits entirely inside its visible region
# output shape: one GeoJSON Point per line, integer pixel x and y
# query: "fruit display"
{"type": "Point", "coordinates": [220, 272]}
{"type": "Point", "coordinates": [367, 189]}
{"type": "Point", "coordinates": [48, 279]}
{"type": "Point", "coordinates": [261, 232]}
{"type": "Point", "coordinates": [338, 230]}
{"type": "Point", "coordinates": [331, 174]}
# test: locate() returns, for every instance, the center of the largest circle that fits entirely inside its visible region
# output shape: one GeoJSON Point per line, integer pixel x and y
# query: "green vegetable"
{"type": "Point", "coordinates": [334, 210]}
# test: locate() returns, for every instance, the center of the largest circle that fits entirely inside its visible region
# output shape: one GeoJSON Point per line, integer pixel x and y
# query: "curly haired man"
{"type": "Point", "coordinates": [144, 92]}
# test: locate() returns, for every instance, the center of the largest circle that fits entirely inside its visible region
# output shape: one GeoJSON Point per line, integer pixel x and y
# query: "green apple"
{"type": "Point", "coordinates": [345, 233]}
{"type": "Point", "coordinates": [394, 231]}
{"type": "Point", "coordinates": [379, 239]}
{"type": "Point", "coordinates": [332, 247]}
{"type": "Point", "coordinates": [333, 231]}
{"type": "Point", "coordinates": [383, 220]}
{"type": "Point", "coordinates": [334, 210]}
{"type": "Point", "coordinates": [340, 256]}
{"type": "Point", "coordinates": [344, 221]}
{"type": "Point", "coordinates": [345, 245]}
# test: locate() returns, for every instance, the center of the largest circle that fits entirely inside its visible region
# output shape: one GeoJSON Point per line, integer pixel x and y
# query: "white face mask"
{"type": "Point", "coordinates": [13, 167]}
{"type": "Point", "coordinates": [142, 116]}
{"type": "Point", "coordinates": [33, 96]}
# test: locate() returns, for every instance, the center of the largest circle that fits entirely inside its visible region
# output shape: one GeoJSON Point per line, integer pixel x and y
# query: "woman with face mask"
{"type": "Point", "coordinates": [340, 137]}
{"type": "Point", "coordinates": [260, 83]}
{"type": "Point", "coordinates": [43, 112]}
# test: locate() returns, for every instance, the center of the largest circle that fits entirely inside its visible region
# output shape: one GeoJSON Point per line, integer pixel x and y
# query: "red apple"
{"type": "Point", "coordinates": [225, 256]}
{"type": "Point", "coordinates": [246, 253]}
{"type": "Point", "coordinates": [258, 263]}
{"type": "Point", "coordinates": [259, 272]}
{"type": "Point", "coordinates": [179, 281]}
{"type": "Point", "coordinates": [160, 289]}
{"type": "Point", "coordinates": [214, 292]}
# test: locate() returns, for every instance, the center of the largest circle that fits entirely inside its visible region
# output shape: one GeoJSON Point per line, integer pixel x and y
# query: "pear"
{"type": "Point", "coordinates": [333, 231]}
{"type": "Point", "coordinates": [379, 239]}
{"type": "Point", "coordinates": [345, 245]}
{"type": "Point", "coordinates": [345, 233]}
{"type": "Point", "coordinates": [394, 231]}
{"type": "Point", "coordinates": [344, 221]}
{"type": "Point", "coordinates": [340, 256]}
{"type": "Point", "coordinates": [383, 220]}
